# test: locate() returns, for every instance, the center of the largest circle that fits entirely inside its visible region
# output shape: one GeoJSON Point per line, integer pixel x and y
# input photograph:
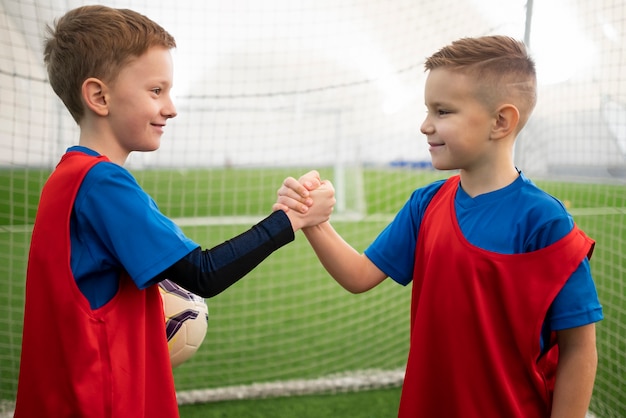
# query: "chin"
{"type": "Point", "coordinates": [442, 166]}
{"type": "Point", "coordinates": [151, 148]}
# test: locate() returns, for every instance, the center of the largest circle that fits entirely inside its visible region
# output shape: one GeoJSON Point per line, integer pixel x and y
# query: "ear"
{"type": "Point", "coordinates": [94, 94]}
{"type": "Point", "coordinates": [507, 119]}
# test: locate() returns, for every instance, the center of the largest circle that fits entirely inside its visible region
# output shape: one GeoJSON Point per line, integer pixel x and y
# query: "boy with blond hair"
{"type": "Point", "coordinates": [94, 342]}
{"type": "Point", "coordinates": [503, 303]}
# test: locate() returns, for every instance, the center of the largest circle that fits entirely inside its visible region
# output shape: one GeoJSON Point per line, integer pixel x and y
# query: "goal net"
{"type": "Point", "coordinates": [271, 89]}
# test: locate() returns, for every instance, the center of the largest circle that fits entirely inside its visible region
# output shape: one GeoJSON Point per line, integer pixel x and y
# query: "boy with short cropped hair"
{"type": "Point", "coordinates": [94, 342]}
{"type": "Point", "coordinates": [503, 304]}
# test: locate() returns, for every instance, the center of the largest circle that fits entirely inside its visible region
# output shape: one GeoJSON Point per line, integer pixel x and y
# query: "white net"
{"type": "Point", "coordinates": [275, 88]}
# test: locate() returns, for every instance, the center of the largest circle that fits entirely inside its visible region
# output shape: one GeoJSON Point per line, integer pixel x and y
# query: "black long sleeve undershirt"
{"type": "Point", "coordinates": [209, 272]}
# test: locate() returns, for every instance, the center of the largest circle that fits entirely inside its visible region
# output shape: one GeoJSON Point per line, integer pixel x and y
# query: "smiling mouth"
{"type": "Point", "coordinates": [160, 129]}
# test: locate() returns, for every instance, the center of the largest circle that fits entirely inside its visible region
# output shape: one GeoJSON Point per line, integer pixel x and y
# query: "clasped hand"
{"type": "Point", "coordinates": [307, 201]}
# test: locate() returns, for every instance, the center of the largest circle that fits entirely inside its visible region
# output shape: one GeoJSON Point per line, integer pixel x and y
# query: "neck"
{"type": "Point", "coordinates": [477, 183]}
{"type": "Point", "coordinates": [103, 143]}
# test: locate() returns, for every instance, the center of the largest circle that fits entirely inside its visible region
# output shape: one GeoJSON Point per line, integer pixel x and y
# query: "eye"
{"type": "Point", "coordinates": [443, 112]}
{"type": "Point", "coordinates": [156, 90]}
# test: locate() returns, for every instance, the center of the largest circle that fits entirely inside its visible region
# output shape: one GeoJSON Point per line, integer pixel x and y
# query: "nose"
{"type": "Point", "coordinates": [172, 113]}
{"type": "Point", "coordinates": [169, 111]}
{"type": "Point", "coordinates": [427, 127]}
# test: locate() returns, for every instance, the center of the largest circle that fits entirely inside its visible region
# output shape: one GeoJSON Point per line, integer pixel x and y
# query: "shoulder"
{"type": "Point", "coordinates": [103, 170]}
{"type": "Point", "coordinates": [108, 168]}
{"type": "Point", "coordinates": [409, 217]}
{"type": "Point", "coordinates": [422, 196]}
{"type": "Point", "coordinates": [107, 182]}
{"type": "Point", "coordinates": [546, 217]}
{"type": "Point", "coordinates": [538, 204]}
{"type": "Point", "coordinates": [109, 175]}
{"type": "Point", "coordinates": [413, 210]}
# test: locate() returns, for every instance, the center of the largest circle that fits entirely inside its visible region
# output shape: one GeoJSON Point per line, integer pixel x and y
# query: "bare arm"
{"type": "Point", "coordinates": [352, 270]}
{"type": "Point", "coordinates": [578, 360]}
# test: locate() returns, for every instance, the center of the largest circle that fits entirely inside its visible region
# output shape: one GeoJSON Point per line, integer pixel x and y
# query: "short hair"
{"type": "Point", "coordinates": [96, 41]}
{"type": "Point", "coordinates": [501, 66]}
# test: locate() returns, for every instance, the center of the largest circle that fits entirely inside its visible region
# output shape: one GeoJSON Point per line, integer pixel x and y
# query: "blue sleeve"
{"type": "Point", "coordinates": [393, 251]}
{"type": "Point", "coordinates": [577, 303]}
{"type": "Point", "coordinates": [127, 228]}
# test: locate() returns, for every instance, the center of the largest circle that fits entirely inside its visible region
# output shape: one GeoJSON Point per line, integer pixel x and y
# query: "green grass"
{"type": "Point", "coordinates": [308, 317]}
{"type": "Point", "coordinates": [381, 403]}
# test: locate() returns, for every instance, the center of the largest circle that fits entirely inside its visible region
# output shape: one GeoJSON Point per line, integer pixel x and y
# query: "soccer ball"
{"type": "Point", "coordinates": [186, 320]}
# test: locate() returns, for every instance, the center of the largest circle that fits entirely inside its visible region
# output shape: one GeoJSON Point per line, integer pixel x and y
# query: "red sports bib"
{"type": "Point", "coordinates": [78, 362]}
{"type": "Point", "coordinates": [476, 319]}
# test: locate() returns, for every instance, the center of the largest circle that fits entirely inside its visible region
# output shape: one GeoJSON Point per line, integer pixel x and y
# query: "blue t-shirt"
{"type": "Point", "coordinates": [516, 219]}
{"type": "Point", "coordinates": [115, 226]}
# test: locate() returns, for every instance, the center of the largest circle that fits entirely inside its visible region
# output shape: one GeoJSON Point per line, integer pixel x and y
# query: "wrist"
{"type": "Point", "coordinates": [295, 220]}
{"type": "Point", "coordinates": [312, 230]}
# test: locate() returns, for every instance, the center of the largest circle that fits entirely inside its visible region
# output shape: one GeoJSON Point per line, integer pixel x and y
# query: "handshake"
{"type": "Point", "coordinates": [308, 201]}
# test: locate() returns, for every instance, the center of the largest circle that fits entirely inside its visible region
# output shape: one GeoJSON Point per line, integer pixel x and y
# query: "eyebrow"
{"type": "Point", "coordinates": [437, 104]}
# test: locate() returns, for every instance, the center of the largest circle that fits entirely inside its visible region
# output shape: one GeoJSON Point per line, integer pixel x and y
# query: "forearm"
{"type": "Point", "coordinates": [352, 270]}
{"type": "Point", "coordinates": [209, 272]}
{"type": "Point", "coordinates": [575, 376]}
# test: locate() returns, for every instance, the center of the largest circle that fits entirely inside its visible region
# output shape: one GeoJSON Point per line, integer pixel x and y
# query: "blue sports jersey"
{"type": "Point", "coordinates": [515, 219]}
{"type": "Point", "coordinates": [115, 226]}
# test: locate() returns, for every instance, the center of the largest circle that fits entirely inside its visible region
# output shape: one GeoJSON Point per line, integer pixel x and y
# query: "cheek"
{"type": "Point", "coordinates": [446, 129]}
{"type": "Point", "coordinates": [478, 124]}
{"type": "Point", "coordinates": [130, 127]}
